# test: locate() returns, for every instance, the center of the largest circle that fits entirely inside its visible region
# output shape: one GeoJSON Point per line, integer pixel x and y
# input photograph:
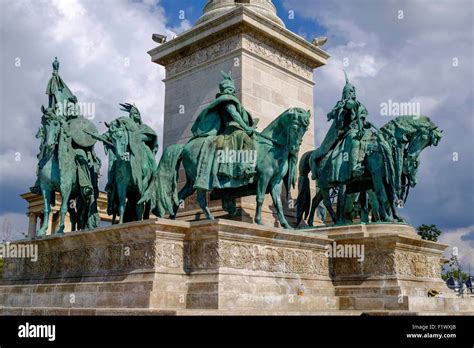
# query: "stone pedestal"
{"type": "Point", "coordinates": [398, 270]}
{"type": "Point", "coordinates": [272, 68]}
{"type": "Point", "coordinates": [228, 267]}
{"type": "Point", "coordinates": [241, 266]}
{"type": "Point", "coordinates": [36, 208]}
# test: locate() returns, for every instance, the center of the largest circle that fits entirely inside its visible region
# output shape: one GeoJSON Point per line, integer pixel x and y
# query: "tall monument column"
{"type": "Point", "coordinates": [272, 68]}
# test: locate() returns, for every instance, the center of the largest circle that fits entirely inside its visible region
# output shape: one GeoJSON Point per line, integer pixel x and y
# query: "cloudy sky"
{"type": "Point", "coordinates": [403, 51]}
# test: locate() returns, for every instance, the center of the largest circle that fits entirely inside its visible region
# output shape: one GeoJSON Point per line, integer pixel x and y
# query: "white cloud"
{"type": "Point", "coordinates": [13, 226]}
{"type": "Point", "coordinates": [454, 238]}
{"type": "Point", "coordinates": [406, 60]}
{"type": "Point", "coordinates": [102, 48]}
{"type": "Point", "coordinates": [428, 105]}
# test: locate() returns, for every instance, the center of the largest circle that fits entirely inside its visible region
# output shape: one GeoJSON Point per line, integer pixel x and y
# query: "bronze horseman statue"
{"type": "Point", "coordinates": [66, 161]}
{"type": "Point", "coordinates": [364, 164]}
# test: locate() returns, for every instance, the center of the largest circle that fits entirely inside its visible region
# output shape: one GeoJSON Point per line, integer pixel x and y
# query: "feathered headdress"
{"type": "Point", "coordinates": [227, 82]}
{"type": "Point", "coordinates": [348, 87]}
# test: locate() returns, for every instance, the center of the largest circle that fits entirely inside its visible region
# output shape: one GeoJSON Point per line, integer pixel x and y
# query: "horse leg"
{"type": "Point", "coordinates": [201, 198]}
{"type": "Point", "coordinates": [364, 207]}
{"type": "Point", "coordinates": [395, 215]}
{"type": "Point", "coordinates": [341, 204]}
{"type": "Point", "coordinates": [46, 211]}
{"type": "Point", "coordinates": [275, 191]}
{"type": "Point", "coordinates": [72, 216]}
{"type": "Point", "coordinates": [229, 205]}
{"type": "Point", "coordinates": [122, 195]}
{"type": "Point", "coordinates": [314, 205]}
{"type": "Point", "coordinates": [381, 196]}
{"type": "Point", "coordinates": [140, 209]}
{"type": "Point", "coordinates": [373, 205]}
{"type": "Point", "coordinates": [262, 184]}
{"type": "Point", "coordinates": [65, 195]}
{"type": "Point", "coordinates": [63, 210]}
{"type": "Point", "coordinates": [187, 190]}
{"type": "Point", "coordinates": [146, 211]}
{"type": "Point", "coordinates": [327, 203]}
{"type": "Point", "coordinates": [393, 208]}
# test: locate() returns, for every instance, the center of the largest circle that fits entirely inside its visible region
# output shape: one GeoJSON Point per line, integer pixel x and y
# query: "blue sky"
{"type": "Point", "coordinates": [102, 48]}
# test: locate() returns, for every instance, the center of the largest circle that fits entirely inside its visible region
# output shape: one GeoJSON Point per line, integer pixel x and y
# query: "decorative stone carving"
{"type": "Point", "coordinates": [237, 255]}
{"type": "Point", "coordinates": [204, 55]}
{"type": "Point", "coordinates": [417, 265]}
{"type": "Point", "coordinates": [251, 43]}
{"type": "Point", "coordinates": [277, 56]}
{"type": "Point", "coordinates": [377, 264]}
{"type": "Point", "coordinates": [168, 254]}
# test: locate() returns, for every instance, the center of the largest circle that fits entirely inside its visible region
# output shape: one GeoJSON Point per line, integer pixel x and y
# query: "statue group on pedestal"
{"type": "Point", "coordinates": [370, 169]}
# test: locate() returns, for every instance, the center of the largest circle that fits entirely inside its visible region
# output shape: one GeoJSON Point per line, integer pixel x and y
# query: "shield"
{"type": "Point", "coordinates": [77, 127]}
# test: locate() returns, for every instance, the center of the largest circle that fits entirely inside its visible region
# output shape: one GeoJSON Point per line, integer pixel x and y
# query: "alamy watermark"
{"type": "Point", "coordinates": [67, 108]}
{"type": "Point", "coordinates": [237, 156]}
{"type": "Point", "coordinates": [19, 250]}
{"type": "Point", "coordinates": [346, 251]}
{"type": "Point", "coordinates": [393, 108]}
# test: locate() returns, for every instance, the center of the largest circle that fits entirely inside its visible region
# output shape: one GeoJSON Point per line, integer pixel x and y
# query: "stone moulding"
{"type": "Point", "coordinates": [251, 43]}
{"type": "Point", "coordinates": [227, 265]}
{"type": "Point", "coordinates": [293, 52]}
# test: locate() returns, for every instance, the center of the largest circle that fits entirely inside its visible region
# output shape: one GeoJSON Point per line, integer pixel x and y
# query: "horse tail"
{"type": "Point", "coordinates": [303, 202]}
{"type": "Point", "coordinates": [162, 193]}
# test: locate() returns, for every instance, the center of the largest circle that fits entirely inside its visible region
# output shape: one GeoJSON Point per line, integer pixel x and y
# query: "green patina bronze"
{"type": "Point", "coordinates": [367, 166]}
{"type": "Point", "coordinates": [66, 160]}
{"type": "Point", "coordinates": [223, 136]}
{"type": "Point", "coordinates": [131, 147]}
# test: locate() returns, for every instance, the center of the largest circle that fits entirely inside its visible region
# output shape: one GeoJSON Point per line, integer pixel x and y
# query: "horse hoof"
{"type": "Point", "coordinates": [60, 230]}
{"type": "Point", "coordinates": [40, 233]}
{"type": "Point", "coordinates": [236, 212]}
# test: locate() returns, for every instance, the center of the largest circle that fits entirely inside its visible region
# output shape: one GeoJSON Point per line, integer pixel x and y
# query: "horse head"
{"type": "Point", "coordinates": [297, 123]}
{"type": "Point", "coordinates": [289, 128]}
{"type": "Point", "coordinates": [426, 134]}
{"type": "Point", "coordinates": [52, 128]}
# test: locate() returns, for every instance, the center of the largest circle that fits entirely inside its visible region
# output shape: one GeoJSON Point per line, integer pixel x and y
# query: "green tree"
{"type": "Point", "coordinates": [429, 232]}
{"type": "Point", "coordinates": [454, 269]}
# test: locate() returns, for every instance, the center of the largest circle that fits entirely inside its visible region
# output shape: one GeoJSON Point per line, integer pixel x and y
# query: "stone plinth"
{"type": "Point", "coordinates": [398, 270]}
{"type": "Point", "coordinates": [36, 207]}
{"type": "Point", "coordinates": [222, 266]}
{"type": "Point", "coordinates": [164, 264]}
{"type": "Point", "coordinates": [272, 68]}
{"type": "Point", "coordinates": [239, 265]}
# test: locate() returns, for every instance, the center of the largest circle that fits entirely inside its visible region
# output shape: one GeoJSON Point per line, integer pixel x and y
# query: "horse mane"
{"type": "Point", "coordinates": [411, 121]}
{"type": "Point", "coordinates": [274, 127]}
{"type": "Point", "coordinates": [275, 131]}
{"type": "Point", "coordinates": [395, 131]}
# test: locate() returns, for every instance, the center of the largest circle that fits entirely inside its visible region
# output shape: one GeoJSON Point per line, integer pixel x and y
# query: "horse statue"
{"type": "Point", "coordinates": [131, 147]}
{"type": "Point", "coordinates": [66, 162]}
{"type": "Point", "coordinates": [276, 148]}
{"type": "Point", "coordinates": [66, 167]}
{"type": "Point", "coordinates": [390, 162]}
